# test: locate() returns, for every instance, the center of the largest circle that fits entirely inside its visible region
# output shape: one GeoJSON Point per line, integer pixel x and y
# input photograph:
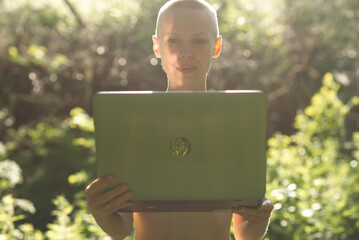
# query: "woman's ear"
{"type": "Point", "coordinates": [217, 47]}
{"type": "Point", "coordinates": [156, 46]}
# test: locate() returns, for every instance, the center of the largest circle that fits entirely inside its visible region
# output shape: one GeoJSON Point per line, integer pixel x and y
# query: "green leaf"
{"type": "Point", "coordinates": [78, 178]}
{"type": "Point", "coordinates": [11, 171]}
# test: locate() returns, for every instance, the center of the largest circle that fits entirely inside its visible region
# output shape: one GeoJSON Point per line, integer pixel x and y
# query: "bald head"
{"type": "Point", "coordinates": [201, 5]}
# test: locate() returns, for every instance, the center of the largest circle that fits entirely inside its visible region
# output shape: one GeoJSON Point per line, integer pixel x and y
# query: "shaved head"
{"type": "Point", "coordinates": [191, 5]}
{"type": "Point", "coordinates": [186, 40]}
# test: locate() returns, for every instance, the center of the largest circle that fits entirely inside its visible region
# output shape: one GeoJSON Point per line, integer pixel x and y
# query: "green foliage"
{"type": "Point", "coordinates": [10, 212]}
{"type": "Point", "coordinates": [38, 145]}
{"type": "Point", "coordinates": [71, 224]}
{"type": "Point", "coordinates": [10, 174]}
{"type": "Point", "coordinates": [309, 173]}
{"type": "Point", "coordinates": [12, 209]}
{"type": "Point", "coordinates": [62, 228]}
{"type": "Point", "coordinates": [48, 153]}
{"type": "Point", "coordinates": [72, 221]}
{"type": "Point", "coordinates": [36, 55]}
{"type": "Point", "coordinates": [79, 178]}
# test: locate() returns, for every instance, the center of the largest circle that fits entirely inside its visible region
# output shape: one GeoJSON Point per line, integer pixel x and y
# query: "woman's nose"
{"type": "Point", "coordinates": [185, 51]}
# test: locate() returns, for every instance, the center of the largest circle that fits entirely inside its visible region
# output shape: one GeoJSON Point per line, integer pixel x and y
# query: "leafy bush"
{"type": "Point", "coordinates": [64, 141]}
{"type": "Point", "coordinates": [72, 221]}
{"type": "Point", "coordinates": [309, 172]}
{"type": "Point", "coordinates": [48, 153]}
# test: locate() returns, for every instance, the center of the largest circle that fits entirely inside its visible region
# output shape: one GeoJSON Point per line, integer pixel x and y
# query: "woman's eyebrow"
{"type": "Point", "coordinates": [171, 34]}
{"type": "Point", "coordinates": [200, 33]}
{"type": "Point", "coordinates": [195, 34]}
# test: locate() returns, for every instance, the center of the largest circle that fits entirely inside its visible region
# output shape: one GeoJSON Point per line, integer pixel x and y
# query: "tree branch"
{"type": "Point", "coordinates": [75, 13]}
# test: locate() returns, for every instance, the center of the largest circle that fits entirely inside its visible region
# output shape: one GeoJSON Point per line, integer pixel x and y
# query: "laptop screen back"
{"type": "Point", "coordinates": [183, 145]}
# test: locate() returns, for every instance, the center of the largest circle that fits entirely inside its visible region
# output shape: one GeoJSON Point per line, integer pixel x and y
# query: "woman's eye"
{"type": "Point", "coordinates": [199, 41]}
{"type": "Point", "coordinates": [172, 41]}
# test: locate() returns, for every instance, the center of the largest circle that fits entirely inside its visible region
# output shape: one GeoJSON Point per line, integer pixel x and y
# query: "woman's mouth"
{"type": "Point", "coordinates": [186, 69]}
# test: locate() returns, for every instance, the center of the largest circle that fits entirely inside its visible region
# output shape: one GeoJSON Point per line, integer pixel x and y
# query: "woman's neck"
{"type": "Point", "coordinates": [191, 86]}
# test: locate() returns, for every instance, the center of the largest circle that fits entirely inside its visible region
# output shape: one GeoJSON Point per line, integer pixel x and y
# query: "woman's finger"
{"type": "Point", "coordinates": [119, 202]}
{"type": "Point", "coordinates": [94, 188]}
{"type": "Point", "coordinates": [113, 192]}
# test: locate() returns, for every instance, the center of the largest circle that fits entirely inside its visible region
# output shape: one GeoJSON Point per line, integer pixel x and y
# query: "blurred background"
{"type": "Point", "coordinates": [54, 55]}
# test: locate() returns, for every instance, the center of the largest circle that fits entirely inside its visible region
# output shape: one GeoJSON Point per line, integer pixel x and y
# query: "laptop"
{"type": "Point", "coordinates": [183, 151]}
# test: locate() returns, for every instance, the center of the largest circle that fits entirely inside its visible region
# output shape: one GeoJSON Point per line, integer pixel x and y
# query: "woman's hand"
{"type": "Point", "coordinates": [104, 204]}
{"type": "Point", "coordinates": [257, 215]}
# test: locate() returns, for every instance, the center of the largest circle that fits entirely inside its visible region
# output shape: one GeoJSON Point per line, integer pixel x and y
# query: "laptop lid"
{"type": "Point", "coordinates": [184, 151]}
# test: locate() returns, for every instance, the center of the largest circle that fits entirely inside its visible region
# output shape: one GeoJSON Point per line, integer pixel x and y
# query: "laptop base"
{"type": "Point", "coordinates": [190, 206]}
